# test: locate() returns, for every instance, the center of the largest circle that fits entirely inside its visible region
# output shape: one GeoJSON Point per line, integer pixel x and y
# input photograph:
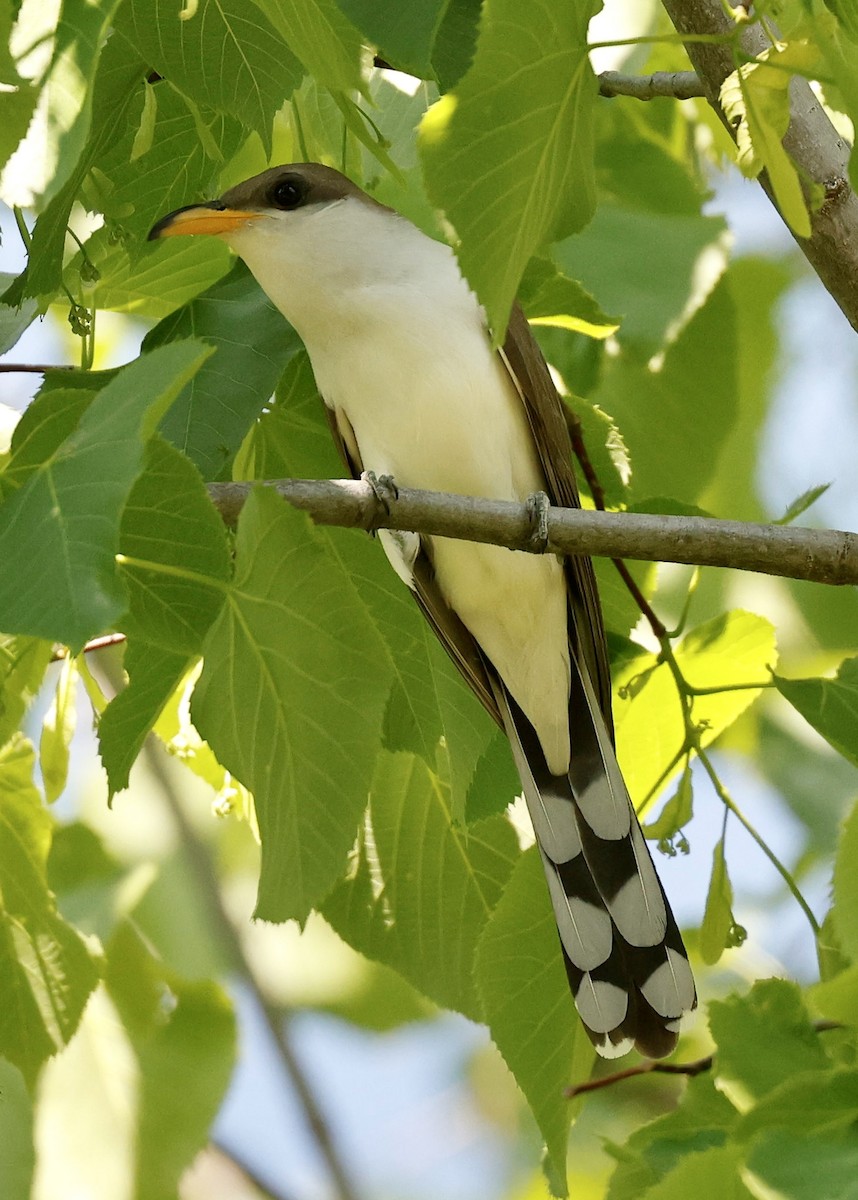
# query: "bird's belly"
{"type": "Point", "coordinates": [449, 429]}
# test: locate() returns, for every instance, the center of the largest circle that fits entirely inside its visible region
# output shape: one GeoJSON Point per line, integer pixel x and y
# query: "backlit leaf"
{"type": "Point", "coordinates": [512, 175]}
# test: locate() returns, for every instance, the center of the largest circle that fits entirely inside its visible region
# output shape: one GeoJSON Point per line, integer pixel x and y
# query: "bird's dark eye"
{"type": "Point", "coordinates": [287, 193]}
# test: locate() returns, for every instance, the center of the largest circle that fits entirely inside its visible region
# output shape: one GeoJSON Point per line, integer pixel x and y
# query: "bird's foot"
{"type": "Point", "coordinates": [537, 506]}
{"type": "Point", "coordinates": [384, 490]}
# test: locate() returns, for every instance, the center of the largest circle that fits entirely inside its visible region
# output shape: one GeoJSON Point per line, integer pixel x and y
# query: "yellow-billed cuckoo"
{"type": "Point", "coordinates": [413, 389]}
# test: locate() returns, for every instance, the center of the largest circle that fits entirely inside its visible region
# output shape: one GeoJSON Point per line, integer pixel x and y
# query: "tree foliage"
{"type": "Point", "coordinates": [286, 667]}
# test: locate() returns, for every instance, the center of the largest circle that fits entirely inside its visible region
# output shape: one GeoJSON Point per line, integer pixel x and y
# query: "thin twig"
{"type": "Point", "coordinates": [817, 555]}
{"type": "Point", "coordinates": [200, 863]}
{"type": "Point", "coordinates": [99, 643]}
{"type": "Point", "coordinates": [32, 368]}
{"type": "Point", "coordinates": [679, 85]}
{"type": "Point", "coordinates": [657, 1067]}
{"type": "Point", "coordinates": [728, 801]}
{"type": "Point", "coordinates": [650, 1067]}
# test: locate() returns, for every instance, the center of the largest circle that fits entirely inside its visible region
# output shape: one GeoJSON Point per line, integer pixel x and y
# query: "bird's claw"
{"type": "Point", "coordinates": [384, 490]}
{"type": "Point", "coordinates": [537, 505]}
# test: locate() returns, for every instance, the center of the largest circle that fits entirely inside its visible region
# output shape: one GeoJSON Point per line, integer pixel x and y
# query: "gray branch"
{"type": "Point", "coordinates": [817, 555]}
{"type": "Point", "coordinates": [680, 85]}
{"type": "Point", "coordinates": [811, 141]}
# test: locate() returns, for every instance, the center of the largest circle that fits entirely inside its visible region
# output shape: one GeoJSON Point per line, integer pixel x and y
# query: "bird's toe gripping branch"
{"type": "Point", "coordinates": [537, 505]}
{"type": "Point", "coordinates": [384, 490]}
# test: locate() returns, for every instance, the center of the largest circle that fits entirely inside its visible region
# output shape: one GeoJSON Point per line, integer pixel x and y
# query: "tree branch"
{"type": "Point", "coordinates": [811, 141]}
{"type": "Point", "coordinates": [817, 555]}
{"type": "Point", "coordinates": [680, 85]}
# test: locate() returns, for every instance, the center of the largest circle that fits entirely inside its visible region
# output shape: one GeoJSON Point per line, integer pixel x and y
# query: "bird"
{"type": "Point", "coordinates": [414, 390]}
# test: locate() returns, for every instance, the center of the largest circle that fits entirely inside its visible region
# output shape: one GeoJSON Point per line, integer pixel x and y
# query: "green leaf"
{"type": "Point", "coordinates": [756, 287]}
{"type": "Point", "coordinates": [422, 890]}
{"type": "Point", "coordinates": [184, 1034]}
{"type": "Point", "coordinates": [57, 732]}
{"type": "Point", "coordinates": [316, 689]}
{"type": "Point", "coordinates": [91, 885]}
{"type": "Point", "coordinates": [836, 38]}
{"type": "Point", "coordinates": [23, 662]}
{"type": "Point", "coordinates": [469, 140]}
{"type": "Point", "coordinates": [153, 675]}
{"type": "Point", "coordinates": [175, 562]}
{"type": "Point", "coordinates": [456, 41]}
{"type": "Point", "coordinates": [46, 971]}
{"type": "Point", "coordinates": [663, 393]}
{"type": "Point", "coordinates": [527, 1005]}
{"type": "Point", "coordinates": [326, 43]}
{"type": "Point", "coordinates": [708, 1175]}
{"type": "Point", "coordinates": [674, 816]}
{"type": "Point", "coordinates": [14, 320]}
{"type": "Point", "coordinates": [703, 1121]}
{"type": "Point", "coordinates": [17, 1156]}
{"type": "Point", "coordinates": [145, 135]}
{"type": "Point", "coordinates": [403, 33]}
{"type": "Point", "coordinates": [791, 1167]}
{"type": "Point", "coordinates": [173, 272]}
{"type": "Point", "coordinates": [549, 297]}
{"type": "Point", "coordinates": [845, 909]}
{"type": "Point", "coordinates": [755, 99]}
{"type": "Point", "coordinates": [837, 998]}
{"type": "Point", "coordinates": [829, 705]}
{"type": "Point", "coordinates": [115, 82]}
{"type": "Point", "coordinates": [495, 782]}
{"type": "Point", "coordinates": [772, 1021]}
{"type": "Point", "coordinates": [19, 103]}
{"type": "Point", "coordinates": [718, 919]}
{"type": "Point", "coordinates": [59, 532]}
{"type": "Point", "coordinates": [51, 418]}
{"type": "Point", "coordinates": [223, 54]}
{"type": "Point", "coordinates": [133, 195]}
{"type": "Point", "coordinates": [174, 555]}
{"type": "Point", "coordinates": [802, 503]}
{"type": "Point", "coordinates": [654, 270]}
{"type": "Point", "coordinates": [253, 344]}
{"type": "Point", "coordinates": [846, 15]}
{"type": "Point", "coordinates": [738, 647]}
{"type": "Point", "coordinates": [78, 1094]}
{"type": "Point", "coordinates": [62, 120]}
{"type": "Point", "coordinates": [809, 1101]}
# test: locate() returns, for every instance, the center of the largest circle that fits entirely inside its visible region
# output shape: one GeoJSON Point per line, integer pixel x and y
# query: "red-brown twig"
{"type": "Point", "coordinates": [650, 1067]}
{"type": "Point", "coordinates": [99, 643]}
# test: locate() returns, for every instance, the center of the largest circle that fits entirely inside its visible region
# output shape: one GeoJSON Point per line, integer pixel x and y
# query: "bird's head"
{"type": "Point", "coordinates": [306, 232]}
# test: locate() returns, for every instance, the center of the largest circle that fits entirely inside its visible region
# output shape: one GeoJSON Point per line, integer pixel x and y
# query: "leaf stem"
{"type": "Point", "coordinates": [26, 237]}
{"type": "Point", "coordinates": [668, 39]}
{"type": "Point", "coordinates": [727, 800]}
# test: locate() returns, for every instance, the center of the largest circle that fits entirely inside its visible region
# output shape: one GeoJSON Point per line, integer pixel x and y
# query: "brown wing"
{"type": "Point", "coordinates": [529, 372]}
{"type": "Point", "coordinates": [450, 631]}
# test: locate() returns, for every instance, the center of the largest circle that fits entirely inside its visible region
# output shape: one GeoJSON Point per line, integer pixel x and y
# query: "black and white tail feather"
{"type": "Point", "coordinates": [626, 964]}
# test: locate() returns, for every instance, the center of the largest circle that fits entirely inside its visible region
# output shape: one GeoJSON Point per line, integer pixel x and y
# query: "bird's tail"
{"type": "Point", "coordinates": [626, 964]}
